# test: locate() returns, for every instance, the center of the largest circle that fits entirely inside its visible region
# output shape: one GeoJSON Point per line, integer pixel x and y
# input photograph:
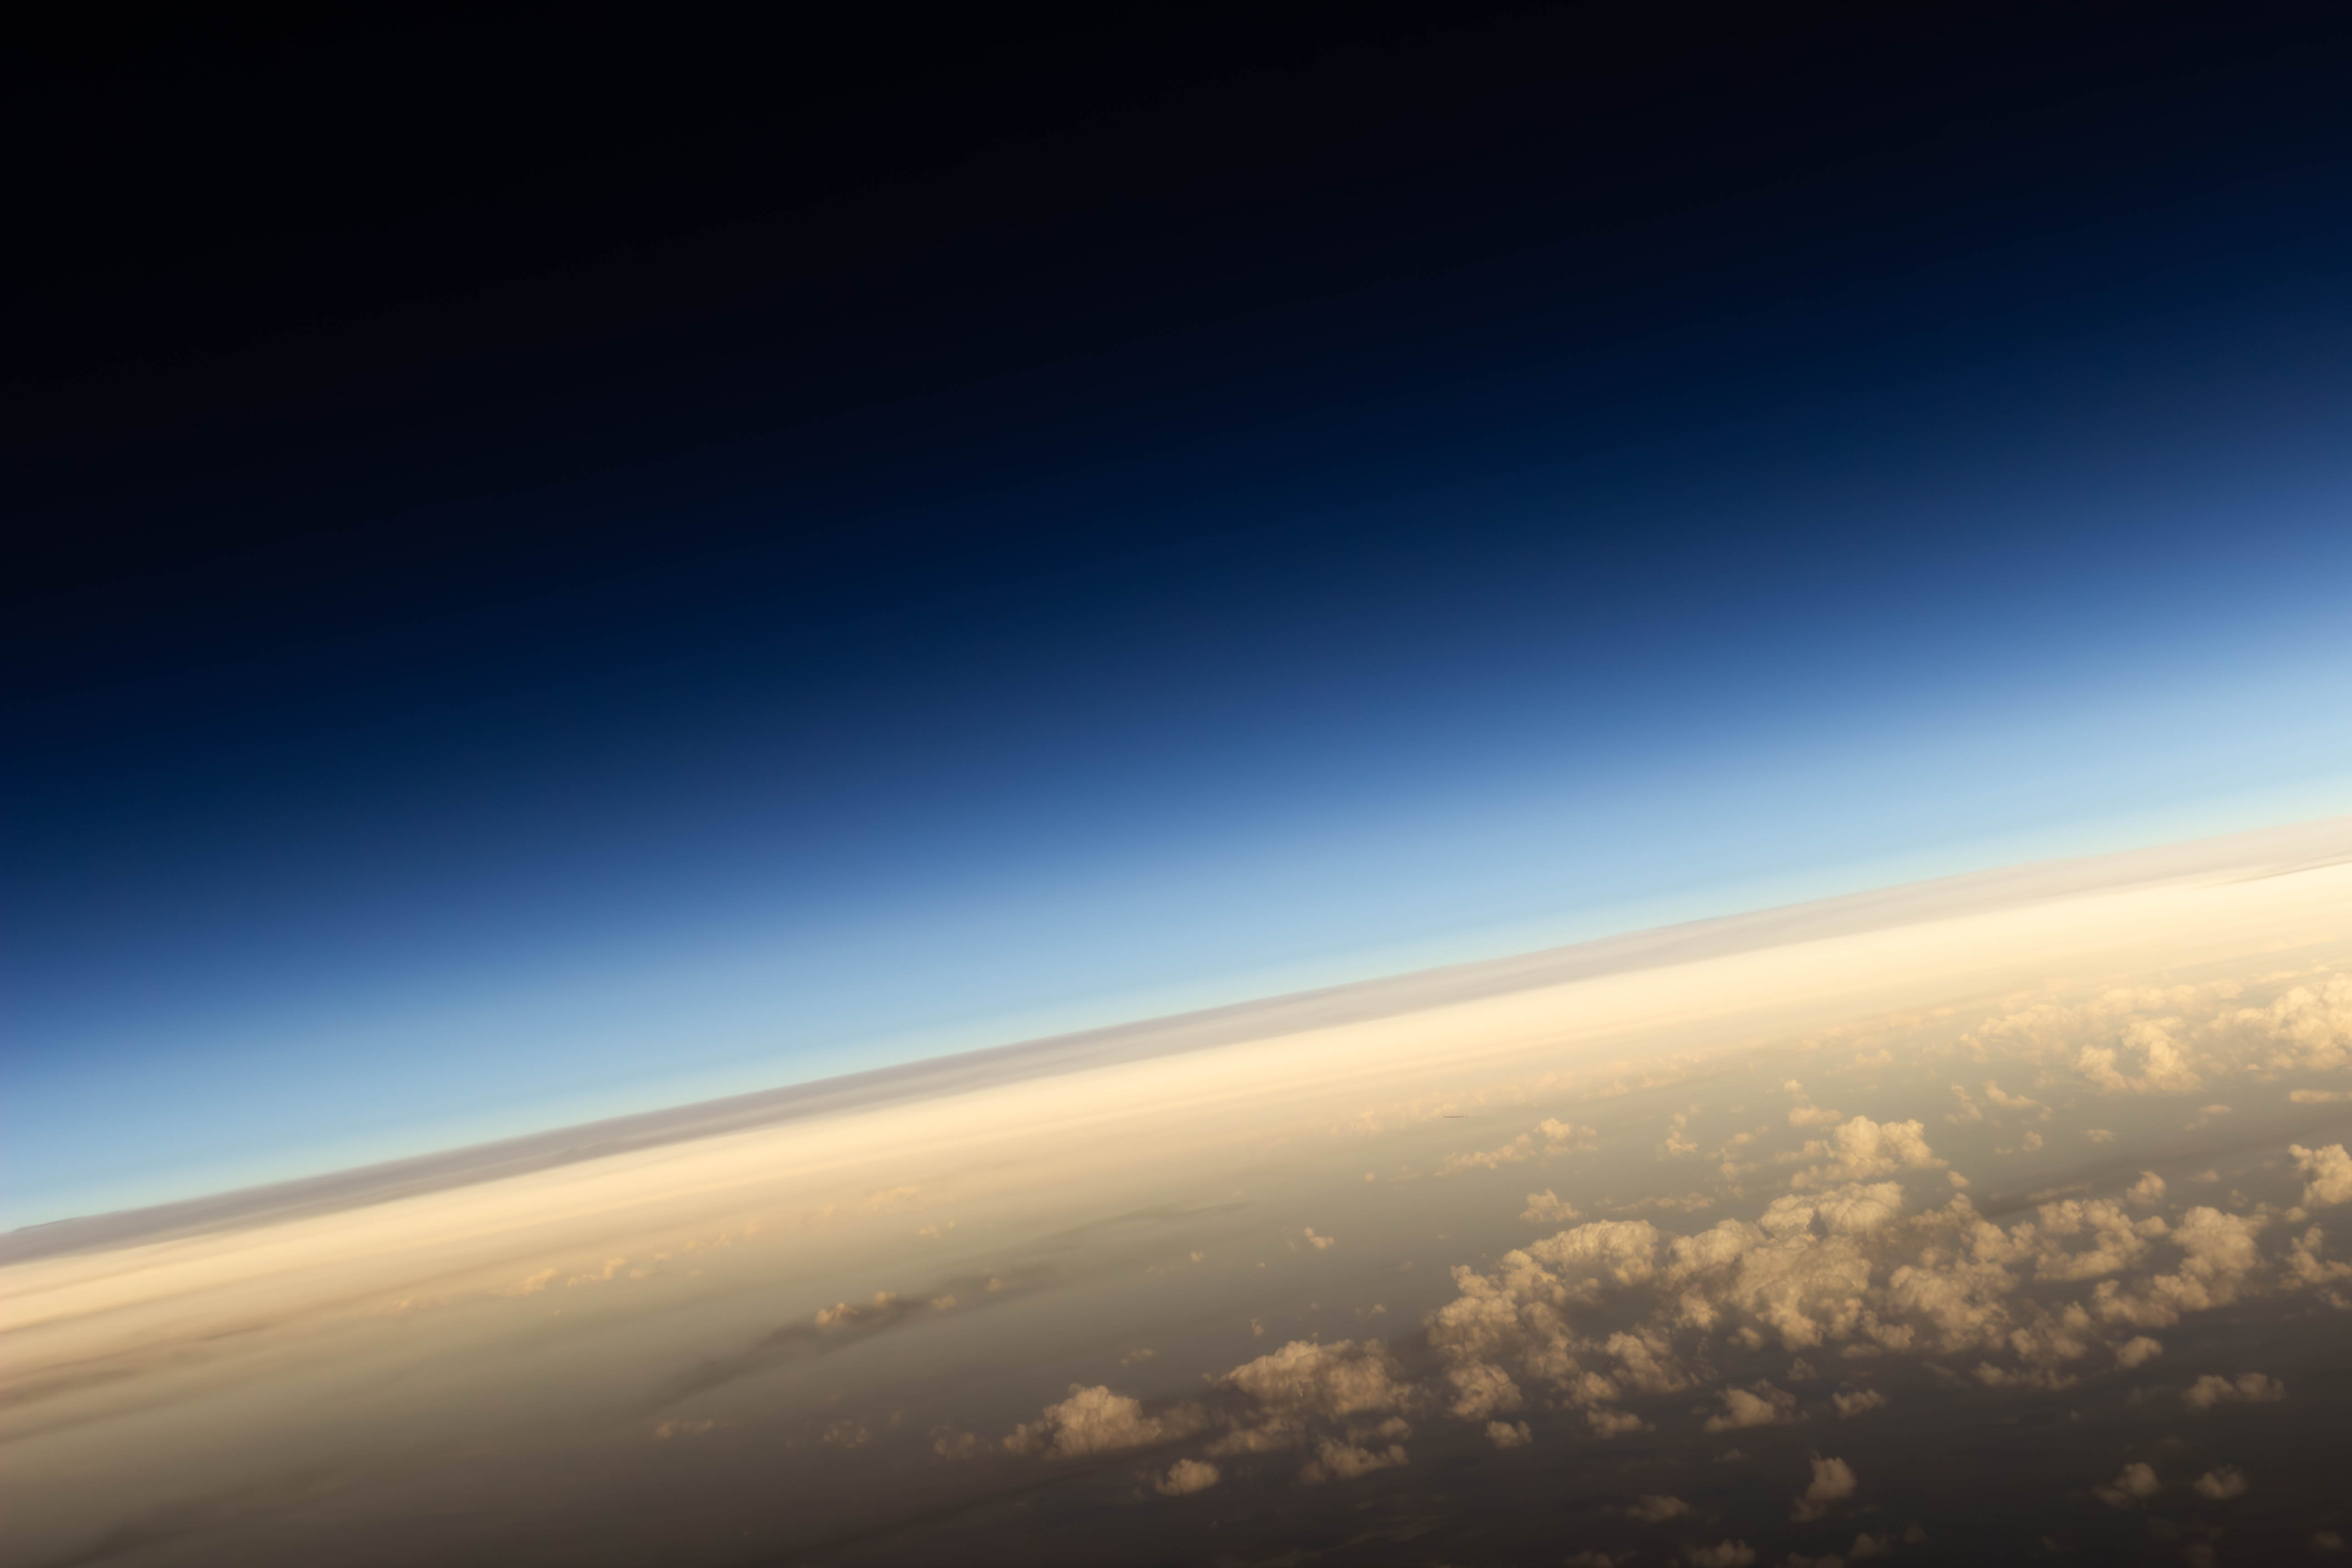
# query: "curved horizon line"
{"type": "Point", "coordinates": [2245, 856]}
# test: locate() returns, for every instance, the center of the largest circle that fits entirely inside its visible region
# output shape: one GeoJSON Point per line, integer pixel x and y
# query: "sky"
{"type": "Point", "coordinates": [613, 597]}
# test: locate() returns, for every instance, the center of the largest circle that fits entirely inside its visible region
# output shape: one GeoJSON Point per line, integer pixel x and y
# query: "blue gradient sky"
{"type": "Point", "coordinates": [1863, 519]}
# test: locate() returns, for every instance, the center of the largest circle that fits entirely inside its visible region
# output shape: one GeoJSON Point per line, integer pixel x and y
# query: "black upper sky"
{"type": "Point", "coordinates": [398, 258]}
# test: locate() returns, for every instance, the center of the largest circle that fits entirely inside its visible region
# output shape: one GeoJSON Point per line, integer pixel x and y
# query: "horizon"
{"type": "Point", "coordinates": [2277, 849]}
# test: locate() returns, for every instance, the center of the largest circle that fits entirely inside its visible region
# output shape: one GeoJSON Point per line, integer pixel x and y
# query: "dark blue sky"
{"type": "Point", "coordinates": [1030, 530]}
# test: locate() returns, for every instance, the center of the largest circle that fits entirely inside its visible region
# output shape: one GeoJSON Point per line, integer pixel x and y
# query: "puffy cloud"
{"type": "Point", "coordinates": [1326, 1381]}
{"type": "Point", "coordinates": [1186, 1477]}
{"type": "Point", "coordinates": [1859, 1149]}
{"type": "Point", "coordinates": [1265, 1437]}
{"type": "Point", "coordinates": [1867, 1546]}
{"type": "Point", "coordinates": [2135, 1483]}
{"type": "Point", "coordinates": [1806, 1272]}
{"type": "Point", "coordinates": [1320, 1243]}
{"type": "Point", "coordinates": [2216, 1246]}
{"type": "Point", "coordinates": [1481, 1388]}
{"type": "Point", "coordinates": [1516, 1323]}
{"type": "Point", "coordinates": [1764, 1405]}
{"type": "Point", "coordinates": [1304, 1386]}
{"type": "Point", "coordinates": [1679, 1144]}
{"type": "Point", "coordinates": [1338, 1461]}
{"type": "Point", "coordinates": [2115, 1242]}
{"type": "Point", "coordinates": [1807, 1289]}
{"type": "Point", "coordinates": [2219, 1259]}
{"type": "Point", "coordinates": [1096, 1421]}
{"type": "Point", "coordinates": [2249, 1388]}
{"type": "Point", "coordinates": [1599, 1314]}
{"type": "Point", "coordinates": [1511, 1324]}
{"type": "Point", "coordinates": [1606, 1422]}
{"type": "Point", "coordinates": [1547, 1207]}
{"type": "Point", "coordinates": [1623, 1251]}
{"type": "Point", "coordinates": [949, 1444]}
{"type": "Point", "coordinates": [1521, 1148]}
{"type": "Point", "coordinates": [2309, 1027]}
{"type": "Point", "coordinates": [1644, 1361]}
{"type": "Point", "coordinates": [2304, 1266]}
{"type": "Point", "coordinates": [1834, 1482]}
{"type": "Point", "coordinates": [1724, 1554]}
{"type": "Point", "coordinates": [2128, 1041]}
{"type": "Point", "coordinates": [1561, 1136]}
{"type": "Point", "coordinates": [2029, 1380]}
{"type": "Point", "coordinates": [1604, 1312]}
{"type": "Point", "coordinates": [1822, 1116]}
{"type": "Point", "coordinates": [2326, 1174]}
{"type": "Point", "coordinates": [1852, 1210]}
{"type": "Point", "coordinates": [1653, 1509]}
{"type": "Point", "coordinates": [2008, 1102]}
{"type": "Point", "coordinates": [2222, 1484]}
{"type": "Point", "coordinates": [2171, 1039]}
